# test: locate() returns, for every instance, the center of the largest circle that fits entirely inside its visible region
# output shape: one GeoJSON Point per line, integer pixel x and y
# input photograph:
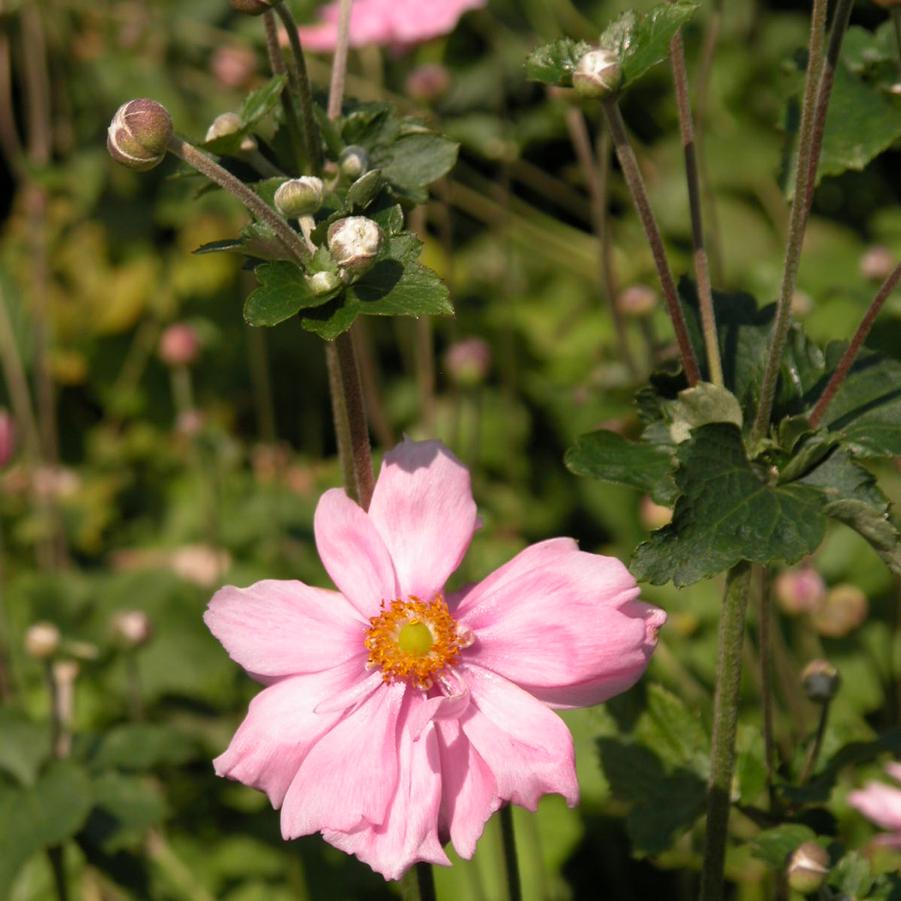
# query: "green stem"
{"type": "Point", "coordinates": [277, 64]}
{"type": "Point", "coordinates": [56, 857]}
{"type": "Point", "coordinates": [418, 884]}
{"type": "Point", "coordinates": [511, 865]}
{"type": "Point", "coordinates": [814, 751]}
{"type": "Point", "coordinates": [764, 639]}
{"type": "Point", "coordinates": [635, 181]}
{"type": "Point", "coordinates": [339, 418]}
{"type": "Point", "coordinates": [702, 270]}
{"type": "Point", "coordinates": [725, 723]}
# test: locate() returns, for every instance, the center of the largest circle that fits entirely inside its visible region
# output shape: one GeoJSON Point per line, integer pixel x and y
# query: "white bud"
{"type": "Point", "coordinates": [132, 628]}
{"type": "Point", "coordinates": [597, 74]}
{"type": "Point", "coordinates": [808, 868]}
{"type": "Point", "coordinates": [324, 283]}
{"type": "Point", "coordinates": [299, 196]}
{"type": "Point", "coordinates": [42, 640]}
{"type": "Point", "coordinates": [139, 134]}
{"type": "Point", "coordinates": [223, 125]}
{"type": "Point", "coordinates": [353, 162]}
{"type": "Point", "coordinates": [354, 242]}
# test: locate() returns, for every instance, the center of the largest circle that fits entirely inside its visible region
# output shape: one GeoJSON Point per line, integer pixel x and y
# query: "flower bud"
{"type": "Point", "coordinates": [299, 196]}
{"type": "Point", "coordinates": [131, 628]}
{"type": "Point", "coordinates": [7, 437]}
{"type": "Point", "coordinates": [42, 640]}
{"type": "Point", "coordinates": [428, 82]}
{"type": "Point", "coordinates": [139, 134]}
{"type": "Point", "coordinates": [353, 162]}
{"type": "Point", "coordinates": [179, 345]}
{"type": "Point", "coordinates": [637, 301]}
{"type": "Point", "coordinates": [799, 590]}
{"type": "Point", "coordinates": [843, 609]}
{"type": "Point", "coordinates": [234, 66]}
{"type": "Point", "coordinates": [324, 283]}
{"type": "Point", "coordinates": [354, 242]}
{"type": "Point", "coordinates": [877, 263]}
{"type": "Point", "coordinates": [654, 515]}
{"type": "Point", "coordinates": [801, 304]}
{"type": "Point", "coordinates": [251, 7]}
{"type": "Point", "coordinates": [808, 868]}
{"type": "Point", "coordinates": [820, 681]}
{"type": "Point", "coordinates": [65, 672]}
{"type": "Point", "coordinates": [597, 74]}
{"type": "Point", "coordinates": [468, 362]}
{"type": "Point", "coordinates": [228, 124]}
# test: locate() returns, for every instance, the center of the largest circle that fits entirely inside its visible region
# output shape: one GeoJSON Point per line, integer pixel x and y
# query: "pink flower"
{"type": "Point", "coordinates": [397, 716]}
{"type": "Point", "coordinates": [881, 803]}
{"type": "Point", "coordinates": [388, 22]}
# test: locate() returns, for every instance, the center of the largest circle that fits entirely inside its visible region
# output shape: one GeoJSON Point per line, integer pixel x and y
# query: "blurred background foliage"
{"type": "Point", "coordinates": [139, 484]}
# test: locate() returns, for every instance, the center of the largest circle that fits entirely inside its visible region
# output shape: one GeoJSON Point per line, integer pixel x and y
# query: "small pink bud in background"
{"type": "Point", "coordinates": [843, 609]}
{"type": "Point", "coordinates": [468, 361]}
{"type": "Point", "coordinates": [877, 262]}
{"type": "Point", "coordinates": [179, 345]}
{"type": "Point", "coordinates": [801, 304]}
{"type": "Point", "coordinates": [7, 437]}
{"type": "Point", "coordinates": [234, 65]}
{"type": "Point", "coordinates": [637, 301]}
{"type": "Point", "coordinates": [42, 640]}
{"type": "Point", "coordinates": [428, 83]}
{"type": "Point", "coordinates": [799, 590]}
{"type": "Point", "coordinates": [820, 681]}
{"type": "Point", "coordinates": [131, 628]}
{"type": "Point", "coordinates": [652, 515]}
{"type": "Point", "coordinates": [139, 134]}
{"type": "Point", "coordinates": [808, 868]}
{"type": "Point", "coordinates": [199, 563]}
{"type": "Point", "coordinates": [54, 482]}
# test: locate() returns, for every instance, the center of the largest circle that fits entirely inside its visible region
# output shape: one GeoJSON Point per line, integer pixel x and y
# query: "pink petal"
{"type": "Point", "coordinates": [562, 624]}
{"type": "Point", "coordinates": [280, 728]}
{"type": "Point", "coordinates": [440, 707]}
{"type": "Point", "coordinates": [469, 794]}
{"type": "Point", "coordinates": [880, 803]}
{"type": "Point", "coordinates": [279, 628]}
{"type": "Point", "coordinates": [424, 511]}
{"type": "Point", "coordinates": [353, 553]}
{"type": "Point", "coordinates": [526, 746]}
{"type": "Point", "coordinates": [410, 832]}
{"type": "Point", "coordinates": [894, 770]}
{"type": "Point", "coordinates": [350, 775]}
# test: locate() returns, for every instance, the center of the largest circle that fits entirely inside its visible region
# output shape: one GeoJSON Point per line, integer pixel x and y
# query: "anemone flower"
{"type": "Point", "coordinates": [881, 803]}
{"type": "Point", "coordinates": [395, 23]}
{"type": "Point", "coordinates": [398, 715]}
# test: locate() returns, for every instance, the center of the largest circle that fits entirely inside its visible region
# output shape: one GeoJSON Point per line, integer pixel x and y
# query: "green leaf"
{"type": "Point", "coordinates": [774, 845]}
{"type": "Point", "coordinates": [700, 405]}
{"type": "Point", "coordinates": [257, 240]}
{"type": "Point", "coordinates": [262, 101]}
{"type": "Point", "coordinates": [25, 746]}
{"type": "Point", "coordinates": [554, 63]}
{"type": "Point", "coordinates": [611, 458]}
{"type": "Point", "coordinates": [364, 190]}
{"type": "Point", "coordinates": [674, 731]}
{"type": "Point", "coordinates": [125, 808]}
{"type": "Point", "coordinates": [47, 813]}
{"type": "Point", "coordinates": [641, 40]}
{"type": "Point", "coordinates": [140, 746]}
{"type": "Point", "coordinates": [413, 162]}
{"type": "Point", "coordinates": [282, 292]}
{"type": "Point", "coordinates": [852, 876]}
{"type": "Point", "coordinates": [727, 513]}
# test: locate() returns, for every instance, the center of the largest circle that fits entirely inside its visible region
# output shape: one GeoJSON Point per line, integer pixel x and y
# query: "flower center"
{"type": "Point", "coordinates": [414, 640]}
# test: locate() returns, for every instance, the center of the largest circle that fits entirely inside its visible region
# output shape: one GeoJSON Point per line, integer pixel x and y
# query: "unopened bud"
{"type": "Point", "coordinates": [179, 345]}
{"type": "Point", "coordinates": [42, 640]}
{"type": "Point", "coordinates": [820, 681]}
{"type": "Point", "coordinates": [468, 362]}
{"type": "Point", "coordinates": [354, 242]}
{"type": "Point", "coordinates": [597, 74]}
{"type": "Point", "coordinates": [654, 515]}
{"type": "Point", "coordinates": [324, 283]}
{"type": "Point", "coordinates": [251, 7]}
{"type": "Point", "coordinates": [843, 609]}
{"type": "Point", "coordinates": [139, 134]}
{"type": "Point", "coordinates": [7, 437]}
{"type": "Point", "coordinates": [228, 124]}
{"type": "Point", "coordinates": [877, 263]}
{"type": "Point", "coordinates": [799, 590]}
{"type": "Point", "coordinates": [428, 82]}
{"type": "Point", "coordinates": [637, 301]}
{"type": "Point", "coordinates": [299, 196]}
{"type": "Point", "coordinates": [131, 628]}
{"type": "Point", "coordinates": [801, 304]}
{"type": "Point", "coordinates": [808, 868]}
{"type": "Point", "coordinates": [234, 66]}
{"type": "Point", "coordinates": [65, 672]}
{"type": "Point", "coordinates": [353, 162]}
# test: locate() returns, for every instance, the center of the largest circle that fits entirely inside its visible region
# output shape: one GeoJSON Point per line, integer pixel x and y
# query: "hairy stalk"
{"type": "Point", "coordinates": [339, 63]}
{"type": "Point", "coordinates": [418, 884]}
{"type": "Point", "coordinates": [277, 64]}
{"type": "Point", "coordinates": [358, 431]}
{"type": "Point", "coordinates": [339, 419]}
{"type": "Point", "coordinates": [850, 354]}
{"type": "Point", "coordinates": [813, 118]}
{"type": "Point", "coordinates": [511, 865]}
{"type": "Point", "coordinates": [635, 181]}
{"type": "Point", "coordinates": [813, 752]}
{"type": "Point", "coordinates": [207, 166]}
{"type": "Point", "coordinates": [764, 640]}
{"type": "Point", "coordinates": [725, 722]}
{"type": "Point", "coordinates": [702, 271]}
{"type": "Point", "coordinates": [596, 183]}
{"type": "Point", "coordinates": [299, 82]}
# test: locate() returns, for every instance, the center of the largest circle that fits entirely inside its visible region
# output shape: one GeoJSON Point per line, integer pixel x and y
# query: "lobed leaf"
{"type": "Point", "coordinates": [554, 63]}
{"type": "Point", "coordinates": [283, 291]}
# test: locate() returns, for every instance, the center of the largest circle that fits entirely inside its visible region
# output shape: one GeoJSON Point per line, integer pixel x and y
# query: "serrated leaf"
{"type": "Point", "coordinates": [611, 458]}
{"type": "Point", "coordinates": [774, 845]}
{"type": "Point", "coordinates": [283, 292]}
{"type": "Point", "coordinates": [262, 101]}
{"type": "Point", "coordinates": [24, 747]}
{"type": "Point", "coordinates": [700, 405]}
{"type": "Point", "coordinates": [727, 513]}
{"type": "Point", "coordinates": [413, 162]}
{"type": "Point", "coordinates": [674, 731]}
{"type": "Point", "coordinates": [554, 63]}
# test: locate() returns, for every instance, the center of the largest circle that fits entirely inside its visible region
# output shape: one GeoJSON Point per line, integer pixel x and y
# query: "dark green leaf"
{"type": "Point", "coordinates": [363, 191]}
{"type": "Point", "coordinates": [611, 458]}
{"type": "Point", "coordinates": [554, 63]}
{"type": "Point", "coordinates": [852, 876]}
{"type": "Point", "coordinates": [257, 240]}
{"type": "Point", "coordinates": [674, 731]}
{"type": "Point", "coordinates": [413, 162]}
{"type": "Point", "coordinates": [140, 746]}
{"type": "Point", "coordinates": [774, 845]}
{"type": "Point", "coordinates": [125, 808]}
{"type": "Point", "coordinates": [24, 746]}
{"type": "Point", "coordinates": [262, 101]}
{"type": "Point", "coordinates": [283, 291]}
{"type": "Point", "coordinates": [726, 513]}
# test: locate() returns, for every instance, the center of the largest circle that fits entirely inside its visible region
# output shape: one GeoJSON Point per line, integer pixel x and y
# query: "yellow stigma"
{"type": "Point", "coordinates": [414, 640]}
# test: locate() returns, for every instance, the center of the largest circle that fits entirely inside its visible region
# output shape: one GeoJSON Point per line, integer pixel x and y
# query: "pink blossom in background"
{"type": "Point", "coordinates": [7, 437]}
{"type": "Point", "coordinates": [388, 22]}
{"type": "Point", "coordinates": [881, 803]}
{"type": "Point", "coordinates": [396, 716]}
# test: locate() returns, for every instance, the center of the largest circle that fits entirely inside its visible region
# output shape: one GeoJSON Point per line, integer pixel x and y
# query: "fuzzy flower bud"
{"type": "Point", "coordinates": [324, 283]}
{"type": "Point", "coordinates": [597, 74]}
{"type": "Point", "coordinates": [843, 610]}
{"type": "Point", "coordinates": [229, 124]}
{"type": "Point", "coordinates": [820, 681]}
{"type": "Point", "coordinates": [131, 628]}
{"type": "Point", "coordinates": [139, 134]}
{"type": "Point", "coordinates": [299, 196]}
{"type": "Point", "coordinates": [877, 263]}
{"type": "Point", "coordinates": [251, 7]}
{"type": "Point", "coordinates": [42, 640]}
{"type": "Point", "coordinates": [7, 437]}
{"type": "Point", "coordinates": [354, 242]}
{"type": "Point", "coordinates": [468, 362]}
{"type": "Point", "coordinates": [799, 590]}
{"type": "Point", "coordinates": [637, 301]}
{"type": "Point", "coordinates": [428, 82]}
{"type": "Point", "coordinates": [353, 162]}
{"type": "Point", "coordinates": [179, 345]}
{"type": "Point", "coordinates": [808, 868]}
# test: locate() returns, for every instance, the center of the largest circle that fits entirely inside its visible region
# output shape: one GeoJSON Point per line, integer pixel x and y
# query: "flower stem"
{"type": "Point", "coordinates": [814, 751]}
{"type": "Point", "coordinates": [764, 640]}
{"type": "Point", "coordinates": [418, 884]}
{"type": "Point", "coordinates": [277, 64]}
{"type": "Point", "coordinates": [207, 166]}
{"type": "Point", "coordinates": [725, 722]}
{"type": "Point", "coordinates": [339, 63]}
{"type": "Point", "coordinates": [813, 121]}
{"type": "Point", "coordinates": [850, 354]}
{"type": "Point", "coordinates": [702, 270]}
{"type": "Point", "coordinates": [511, 865]}
{"type": "Point", "coordinates": [634, 180]}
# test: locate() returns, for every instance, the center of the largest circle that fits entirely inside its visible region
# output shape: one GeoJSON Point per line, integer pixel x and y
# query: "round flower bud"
{"type": "Point", "coordinates": [354, 242]}
{"type": "Point", "coordinates": [808, 868]}
{"type": "Point", "coordinates": [179, 345]}
{"type": "Point", "coordinates": [234, 66]}
{"type": "Point", "coordinates": [877, 263]}
{"type": "Point", "coordinates": [139, 134]}
{"type": "Point", "coordinates": [799, 590]}
{"type": "Point", "coordinates": [843, 609]}
{"type": "Point", "coordinates": [299, 196]}
{"type": "Point", "coordinates": [654, 515]}
{"type": "Point", "coordinates": [131, 628]}
{"type": "Point", "coordinates": [324, 283]}
{"type": "Point", "coordinates": [468, 362]}
{"type": "Point", "coordinates": [428, 82]}
{"type": "Point", "coordinates": [7, 437]}
{"type": "Point", "coordinates": [65, 672]}
{"type": "Point", "coordinates": [637, 301]}
{"type": "Point", "coordinates": [820, 681]}
{"type": "Point", "coordinates": [353, 162]}
{"type": "Point", "coordinates": [801, 304]}
{"type": "Point", "coordinates": [597, 74]}
{"type": "Point", "coordinates": [42, 640]}
{"type": "Point", "coordinates": [223, 125]}
{"type": "Point", "coordinates": [251, 7]}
